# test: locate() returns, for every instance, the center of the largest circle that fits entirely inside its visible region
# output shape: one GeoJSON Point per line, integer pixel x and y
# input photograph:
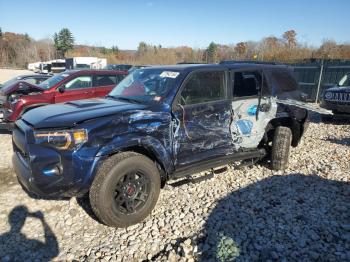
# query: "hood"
{"type": "Point", "coordinates": [21, 87]}
{"type": "Point", "coordinates": [71, 113]}
{"type": "Point", "coordinates": [339, 89]}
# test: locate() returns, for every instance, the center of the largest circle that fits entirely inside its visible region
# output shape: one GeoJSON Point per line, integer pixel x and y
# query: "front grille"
{"type": "Point", "coordinates": [339, 97]}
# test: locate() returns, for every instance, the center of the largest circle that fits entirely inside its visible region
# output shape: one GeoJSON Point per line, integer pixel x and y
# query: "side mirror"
{"type": "Point", "coordinates": [61, 89]}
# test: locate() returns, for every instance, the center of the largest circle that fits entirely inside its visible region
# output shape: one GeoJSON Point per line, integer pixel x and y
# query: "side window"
{"type": "Point", "coordinates": [105, 80]}
{"type": "Point", "coordinates": [249, 83]}
{"type": "Point", "coordinates": [79, 82]}
{"type": "Point", "coordinates": [31, 81]}
{"type": "Point", "coordinates": [39, 80]}
{"type": "Point", "coordinates": [285, 81]}
{"type": "Point", "coordinates": [203, 87]}
{"type": "Point", "coordinates": [120, 78]}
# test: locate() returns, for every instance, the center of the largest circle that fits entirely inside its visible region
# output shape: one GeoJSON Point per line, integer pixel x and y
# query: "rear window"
{"type": "Point", "coordinates": [284, 80]}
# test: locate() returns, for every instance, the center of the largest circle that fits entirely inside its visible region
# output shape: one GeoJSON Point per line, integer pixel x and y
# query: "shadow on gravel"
{"type": "Point", "coordinates": [343, 141]}
{"type": "Point", "coordinates": [84, 203]}
{"type": "Point", "coordinates": [15, 246]}
{"type": "Point", "coordinates": [293, 217]}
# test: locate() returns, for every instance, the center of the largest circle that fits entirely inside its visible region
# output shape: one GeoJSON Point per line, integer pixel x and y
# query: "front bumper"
{"type": "Point", "coordinates": [4, 124]}
{"type": "Point", "coordinates": [336, 107]}
{"type": "Point", "coordinates": [31, 163]}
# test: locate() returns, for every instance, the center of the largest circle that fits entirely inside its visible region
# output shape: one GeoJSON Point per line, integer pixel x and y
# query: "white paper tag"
{"type": "Point", "coordinates": [169, 74]}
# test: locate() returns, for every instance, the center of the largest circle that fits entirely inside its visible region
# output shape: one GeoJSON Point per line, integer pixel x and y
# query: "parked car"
{"type": "Point", "coordinates": [20, 97]}
{"type": "Point", "coordinates": [123, 67]}
{"type": "Point", "coordinates": [135, 67]}
{"type": "Point", "coordinates": [157, 124]}
{"type": "Point", "coordinates": [32, 79]}
{"type": "Point", "coordinates": [337, 98]}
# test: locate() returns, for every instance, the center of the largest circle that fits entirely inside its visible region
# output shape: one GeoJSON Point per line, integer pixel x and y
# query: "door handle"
{"type": "Point", "coordinates": [86, 92]}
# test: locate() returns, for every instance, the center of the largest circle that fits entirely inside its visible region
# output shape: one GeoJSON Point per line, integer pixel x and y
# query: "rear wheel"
{"type": "Point", "coordinates": [281, 148]}
{"type": "Point", "coordinates": [125, 189]}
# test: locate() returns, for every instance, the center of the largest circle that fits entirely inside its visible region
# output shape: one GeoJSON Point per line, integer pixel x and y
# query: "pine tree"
{"type": "Point", "coordinates": [212, 52]}
{"type": "Point", "coordinates": [64, 41]}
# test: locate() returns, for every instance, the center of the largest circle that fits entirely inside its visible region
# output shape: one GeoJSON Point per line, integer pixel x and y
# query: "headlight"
{"type": "Point", "coordinates": [328, 95]}
{"type": "Point", "coordinates": [13, 99]}
{"type": "Point", "coordinates": [62, 139]}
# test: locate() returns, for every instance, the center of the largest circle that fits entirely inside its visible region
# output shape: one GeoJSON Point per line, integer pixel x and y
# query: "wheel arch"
{"type": "Point", "coordinates": [147, 146]}
{"type": "Point", "coordinates": [289, 122]}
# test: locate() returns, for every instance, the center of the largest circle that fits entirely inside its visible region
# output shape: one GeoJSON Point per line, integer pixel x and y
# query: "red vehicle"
{"type": "Point", "coordinates": [20, 97]}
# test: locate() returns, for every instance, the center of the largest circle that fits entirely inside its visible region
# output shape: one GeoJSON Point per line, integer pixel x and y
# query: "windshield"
{"type": "Point", "coordinates": [345, 81]}
{"type": "Point", "coordinates": [47, 84]}
{"type": "Point", "coordinates": [146, 85]}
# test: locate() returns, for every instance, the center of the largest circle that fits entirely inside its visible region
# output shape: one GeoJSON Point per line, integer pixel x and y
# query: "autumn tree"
{"type": "Point", "coordinates": [241, 49]}
{"type": "Point", "coordinates": [142, 48]}
{"type": "Point", "coordinates": [115, 49]}
{"type": "Point", "coordinates": [63, 41]}
{"type": "Point", "coordinates": [328, 49]}
{"type": "Point", "coordinates": [290, 38]}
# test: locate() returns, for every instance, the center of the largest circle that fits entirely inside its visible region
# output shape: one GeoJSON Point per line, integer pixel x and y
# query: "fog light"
{"type": "Point", "coordinates": [55, 171]}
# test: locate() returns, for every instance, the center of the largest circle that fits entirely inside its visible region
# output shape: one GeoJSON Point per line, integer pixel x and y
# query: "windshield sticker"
{"type": "Point", "coordinates": [65, 75]}
{"type": "Point", "coordinates": [169, 74]}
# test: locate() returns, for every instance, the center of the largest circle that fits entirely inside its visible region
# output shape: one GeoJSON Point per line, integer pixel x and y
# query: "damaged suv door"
{"type": "Point", "coordinates": [253, 107]}
{"type": "Point", "coordinates": [202, 113]}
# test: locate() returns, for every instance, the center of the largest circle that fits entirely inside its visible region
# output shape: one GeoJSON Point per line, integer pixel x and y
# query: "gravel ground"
{"type": "Point", "coordinates": [6, 74]}
{"type": "Point", "coordinates": [250, 214]}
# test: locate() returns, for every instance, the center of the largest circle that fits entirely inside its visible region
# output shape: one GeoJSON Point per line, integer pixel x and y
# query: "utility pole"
{"type": "Point", "coordinates": [319, 80]}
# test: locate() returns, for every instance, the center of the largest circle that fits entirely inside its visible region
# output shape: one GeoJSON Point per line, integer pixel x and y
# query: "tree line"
{"type": "Point", "coordinates": [17, 50]}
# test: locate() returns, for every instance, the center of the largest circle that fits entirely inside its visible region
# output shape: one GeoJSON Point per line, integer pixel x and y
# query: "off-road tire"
{"type": "Point", "coordinates": [281, 148]}
{"type": "Point", "coordinates": [103, 188]}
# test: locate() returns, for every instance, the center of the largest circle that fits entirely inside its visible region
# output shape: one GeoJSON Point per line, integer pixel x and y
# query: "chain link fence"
{"type": "Point", "coordinates": [317, 75]}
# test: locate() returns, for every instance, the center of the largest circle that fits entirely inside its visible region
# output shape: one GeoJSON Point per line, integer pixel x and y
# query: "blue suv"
{"type": "Point", "coordinates": [157, 124]}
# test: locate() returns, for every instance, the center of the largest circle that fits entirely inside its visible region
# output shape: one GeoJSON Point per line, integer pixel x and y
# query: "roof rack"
{"type": "Point", "coordinates": [224, 62]}
{"type": "Point", "coordinates": [190, 63]}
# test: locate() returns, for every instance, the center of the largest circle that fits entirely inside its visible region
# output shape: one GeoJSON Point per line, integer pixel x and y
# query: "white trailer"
{"type": "Point", "coordinates": [86, 63]}
{"type": "Point", "coordinates": [58, 65]}
{"type": "Point", "coordinates": [34, 66]}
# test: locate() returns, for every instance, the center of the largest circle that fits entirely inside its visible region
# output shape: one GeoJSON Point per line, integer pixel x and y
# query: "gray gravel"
{"type": "Point", "coordinates": [253, 213]}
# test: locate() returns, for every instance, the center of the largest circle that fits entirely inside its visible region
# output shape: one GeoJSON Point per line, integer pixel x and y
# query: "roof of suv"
{"type": "Point", "coordinates": [32, 76]}
{"type": "Point", "coordinates": [97, 71]}
{"type": "Point", "coordinates": [189, 67]}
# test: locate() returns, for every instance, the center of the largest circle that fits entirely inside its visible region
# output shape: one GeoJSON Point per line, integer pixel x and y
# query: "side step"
{"type": "Point", "coordinates": [221, 161]}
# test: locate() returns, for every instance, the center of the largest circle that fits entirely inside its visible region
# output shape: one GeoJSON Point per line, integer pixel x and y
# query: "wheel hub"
{"type": "Point", "coordinates": [130, 190]}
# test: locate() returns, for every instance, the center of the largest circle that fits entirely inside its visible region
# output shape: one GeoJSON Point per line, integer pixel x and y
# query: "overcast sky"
{"type": "Point", "coordinates": [175, 23]}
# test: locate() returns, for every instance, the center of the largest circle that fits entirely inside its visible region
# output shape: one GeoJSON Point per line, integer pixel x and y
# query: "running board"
{"type": "Point", "coordinates": [213, 163]}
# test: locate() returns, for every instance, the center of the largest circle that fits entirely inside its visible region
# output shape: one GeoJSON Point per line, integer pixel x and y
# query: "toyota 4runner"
{"type": "Point", "coordinates": [157, 124]}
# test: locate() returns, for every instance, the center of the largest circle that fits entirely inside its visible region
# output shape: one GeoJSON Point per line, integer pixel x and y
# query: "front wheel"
{"type": "Point", "coordinates": [280, 148]}
{"type": "Point", "coordinates": [125, 189]}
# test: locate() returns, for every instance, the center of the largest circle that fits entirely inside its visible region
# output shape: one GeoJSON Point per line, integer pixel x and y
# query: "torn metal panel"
{"type": "Point", "coordinates": [311, 107]}
{"type": "Point", "coordinates": [248, 127]}
{"type": "Point", "coordinates": [201, 131]}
